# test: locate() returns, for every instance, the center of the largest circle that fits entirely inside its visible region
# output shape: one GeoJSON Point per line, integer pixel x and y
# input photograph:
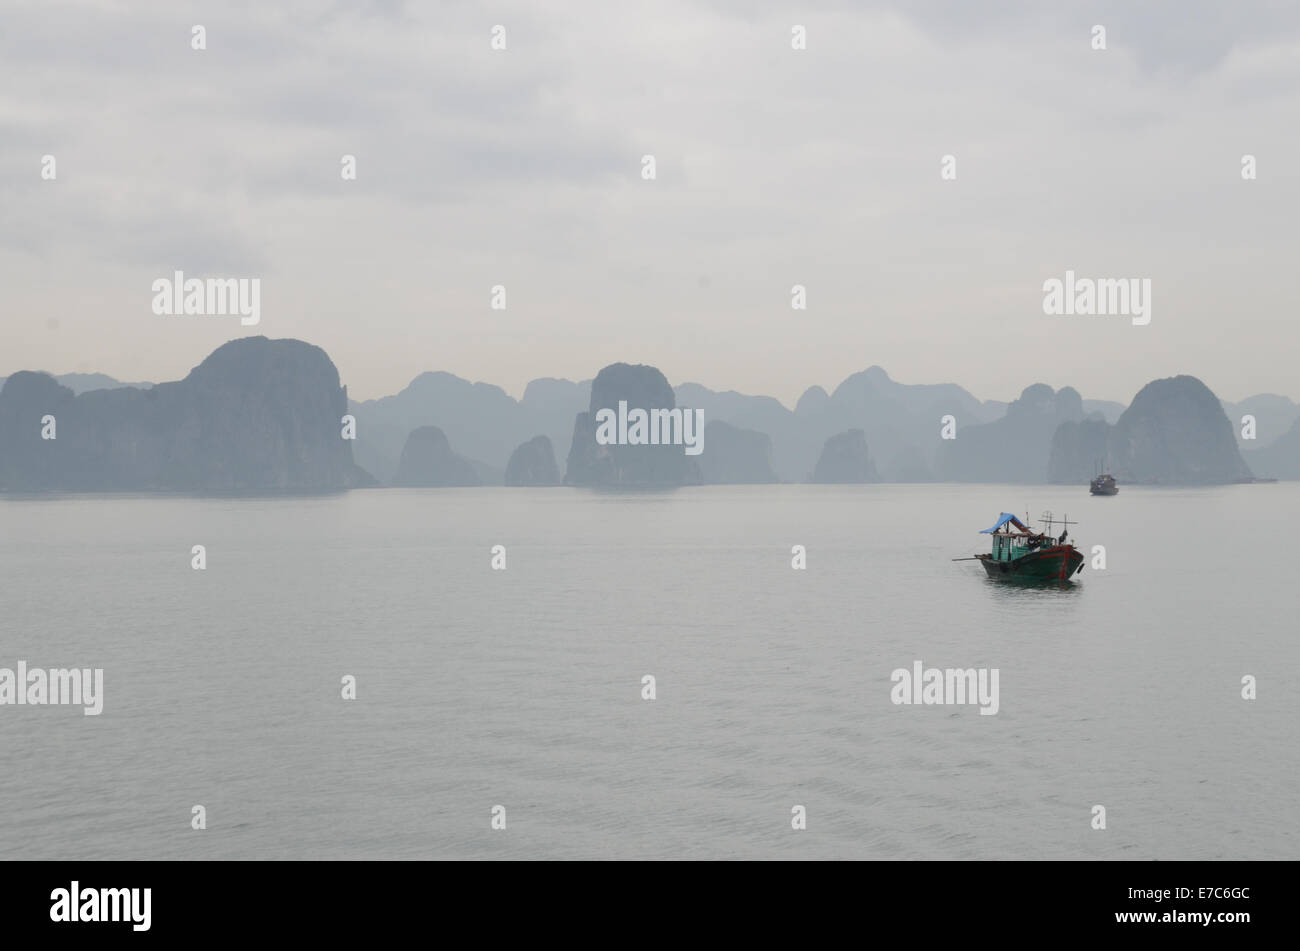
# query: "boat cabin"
{"type": "Point", "coordinates": [1011, 538]}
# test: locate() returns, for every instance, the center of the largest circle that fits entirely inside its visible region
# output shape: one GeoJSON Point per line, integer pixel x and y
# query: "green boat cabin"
{"type": "Point", "coordinates": [1011, 539]}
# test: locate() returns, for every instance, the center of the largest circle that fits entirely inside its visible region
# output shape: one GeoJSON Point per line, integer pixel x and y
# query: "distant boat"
{"type": "Point", "coordinates": [1023, 555]}
{"type": "Point", "coordinates": [1103, 485]}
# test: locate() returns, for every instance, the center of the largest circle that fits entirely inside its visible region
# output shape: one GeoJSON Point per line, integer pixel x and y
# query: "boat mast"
{"type": "Point", "coordinates": [1051, 522]}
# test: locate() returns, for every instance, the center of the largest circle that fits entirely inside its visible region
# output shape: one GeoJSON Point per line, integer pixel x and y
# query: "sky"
{"type": "Point", "coordinates": [774, 167]}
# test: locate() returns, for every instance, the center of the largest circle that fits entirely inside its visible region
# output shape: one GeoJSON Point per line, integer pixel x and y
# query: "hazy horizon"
{"type": "Point", "coordinates": [522, 167]}
{"type": "Point", "coordinates": [517, 393]}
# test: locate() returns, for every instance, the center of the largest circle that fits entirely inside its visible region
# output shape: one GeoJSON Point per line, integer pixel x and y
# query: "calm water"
{"type": "Point", "coordinates": [522, 687]}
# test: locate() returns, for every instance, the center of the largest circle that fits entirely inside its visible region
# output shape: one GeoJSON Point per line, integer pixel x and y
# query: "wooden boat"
{"type": "Point", "coordinates": [1103, 485]}
{"type": "Point", "coordinates": [1020, 554]}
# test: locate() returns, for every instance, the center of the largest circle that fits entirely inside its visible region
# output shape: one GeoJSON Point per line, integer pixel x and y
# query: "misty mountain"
{"type": "Point", "coordinates": [900, 421]}
{"type": "Point", "coordinates": [591, 463]}
{"type": "Point", "coordinates": [760, 414]}
{"type": "Point", "coordinates": [735, 456]}
{"type": "Point", "coordinates": [1108, 410]}
{"type": "Point", "coordinates": [1281, 460]}
{"type": "Point", "coordinates": [251, 416]}
{"type": "Point", "coordinates": [481, 420]}
{"type": "Point", "coordinates": [845, 459]}
{"type": "Point", "coordinates": [550, 406]}
{"type": "Point", "coordinates": [1014, 448]}
{"type": "Point", "coordinates": [427, 460]}
{"type": "Point", "coordinates": [484, 422]}
{"type": "Point", "coordinates": [1274, 416]}
{"type": "Point", "coordinates": [813, 400]}
{"type": "Point", "coordinates": [86, 382]}
{"type": "Point", "coordinates": [533, 463]}
{"type": "Point", "coordinates": [256, 415]}
{"type": "Point", "coordinates": [1174, 433]}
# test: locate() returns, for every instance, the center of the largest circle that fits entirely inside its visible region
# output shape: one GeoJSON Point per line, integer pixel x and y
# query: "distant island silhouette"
{"type": "Point", "coordinates": [272, 415]}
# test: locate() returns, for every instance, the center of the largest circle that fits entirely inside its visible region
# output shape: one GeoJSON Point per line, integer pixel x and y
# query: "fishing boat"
{"type": "Point", "coordinates": [1022, 554]}
{"type": "Point", "coordinates": [1103, 485]}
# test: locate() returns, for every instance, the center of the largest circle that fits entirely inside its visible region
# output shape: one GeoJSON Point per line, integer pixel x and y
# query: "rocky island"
{"type": "Point", "coordinates": [1174, 433]}
{"type": "Point", "coordinates": [256, 415]}
{"type": "Point", "coordinates": [590, 463]}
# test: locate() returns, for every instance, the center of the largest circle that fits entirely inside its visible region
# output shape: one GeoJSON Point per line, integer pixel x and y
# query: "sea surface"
{"type": "Point", "coordinates": [523, 687]}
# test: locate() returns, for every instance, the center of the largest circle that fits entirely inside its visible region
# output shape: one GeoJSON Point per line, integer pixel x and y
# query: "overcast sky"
{"type": "Point", "coordinates": [775, 167]}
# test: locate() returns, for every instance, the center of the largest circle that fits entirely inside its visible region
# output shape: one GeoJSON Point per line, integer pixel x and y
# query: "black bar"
{"type": "Point", "coordinates": [980, 901]}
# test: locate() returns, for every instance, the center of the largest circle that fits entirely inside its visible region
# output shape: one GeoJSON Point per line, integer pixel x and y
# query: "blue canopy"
{"type": "Point", "coordinates": [1002, 520]}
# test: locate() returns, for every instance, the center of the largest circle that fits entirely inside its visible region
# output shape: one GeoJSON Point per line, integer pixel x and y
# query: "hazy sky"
{"type": "Point", "coordinates": [775, 167]}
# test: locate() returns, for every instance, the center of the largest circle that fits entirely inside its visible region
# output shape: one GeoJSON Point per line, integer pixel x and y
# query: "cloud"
{"type": "Point", "coordinates": [522, 167]}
